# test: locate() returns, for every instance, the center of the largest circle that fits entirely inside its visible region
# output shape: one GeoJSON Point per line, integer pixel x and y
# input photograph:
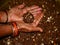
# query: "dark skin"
{"type": "Point", "coordinates": [5, 30]}
{"type": "Point", "coordinates": [16, 13]}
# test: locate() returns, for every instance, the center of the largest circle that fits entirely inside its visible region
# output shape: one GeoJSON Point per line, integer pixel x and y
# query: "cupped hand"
{"type": "Point", "coordinates": [36, 11]}
{"type": "Point", "coordinates": [16, 15]}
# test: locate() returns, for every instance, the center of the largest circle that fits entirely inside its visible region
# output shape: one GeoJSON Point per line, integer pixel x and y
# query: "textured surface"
{"type": "Point", "coordinates": [49, 23]}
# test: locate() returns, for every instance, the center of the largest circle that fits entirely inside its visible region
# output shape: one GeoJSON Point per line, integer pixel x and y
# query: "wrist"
{"type": "Point", "coordinates": [15, 29]}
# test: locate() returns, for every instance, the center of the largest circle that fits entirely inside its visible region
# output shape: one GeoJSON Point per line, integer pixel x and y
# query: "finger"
{"type": "Point", "coordinates": [21, 6]}
{"type": "Point", "coordinates": [35, 10]}
{"type": "Point", "coordinates": [37, 29]}
{"type": "Point", "coordinates": [36, 13]}
{"type": "Point", "coordinates": [32, 7]}
{"type": "Point", "coordinates": [25, 10]}
{"type": "Point", "coordinates": [28, 29]}
{"type": "Point", "coordinates": [38, 18]}
{"type": "Point", "coordinates": [41, 16]}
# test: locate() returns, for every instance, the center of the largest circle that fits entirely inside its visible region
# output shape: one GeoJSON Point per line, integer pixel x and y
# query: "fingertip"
{"type": "Point", "coordinates": [22, 5]}
{"type": "Point", "coordinates": [41, 30]}
{"type": "Point", "coordinates": [32, 7]}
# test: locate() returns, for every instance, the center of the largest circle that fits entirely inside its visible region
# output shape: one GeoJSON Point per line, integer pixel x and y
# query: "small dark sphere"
{"type": "Point", "coordinates": [28, 18]}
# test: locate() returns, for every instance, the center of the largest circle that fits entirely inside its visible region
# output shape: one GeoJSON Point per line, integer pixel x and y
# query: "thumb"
{"type": "Point", "coordinates": [38, 29]}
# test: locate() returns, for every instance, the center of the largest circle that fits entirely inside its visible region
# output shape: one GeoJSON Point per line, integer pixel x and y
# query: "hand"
{"type": "Point", "coordinates": [16, 15]}
{"type": "Point", "coordinates": [38, 15]}
{"type": "Point", "coordinates": [28, 27]}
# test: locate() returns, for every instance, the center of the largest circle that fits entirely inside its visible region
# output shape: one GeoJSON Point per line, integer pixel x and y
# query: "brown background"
{"type": "Point", "coordinates": [51, 27]}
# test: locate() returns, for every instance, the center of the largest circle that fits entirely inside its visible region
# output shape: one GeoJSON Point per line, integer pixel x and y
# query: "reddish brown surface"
{"type": "Point", "coordinates": [51, 27]}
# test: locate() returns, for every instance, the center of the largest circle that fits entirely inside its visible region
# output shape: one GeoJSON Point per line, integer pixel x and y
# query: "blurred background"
{"type": "Point", "coordinates": [50, 24]}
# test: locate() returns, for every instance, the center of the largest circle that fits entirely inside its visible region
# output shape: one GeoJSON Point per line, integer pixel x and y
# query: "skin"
{"type": "Point", "coordinates": [16, 15]}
